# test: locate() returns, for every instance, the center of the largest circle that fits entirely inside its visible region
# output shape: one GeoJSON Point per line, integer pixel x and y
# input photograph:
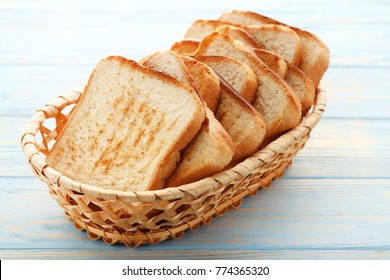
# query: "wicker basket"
{"type": "Point", "coordinates": [136, 218]}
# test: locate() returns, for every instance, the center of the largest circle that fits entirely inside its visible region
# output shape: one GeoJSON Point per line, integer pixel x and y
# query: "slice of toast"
{"type": "Point", "coordinates": [273, 61]}
{"type": "Point", "coordinates": [210, 136]}
{"type": "Point", "coordinates": [295, 78]}
{"type": "Point", "coordinates": [274, 99]}
{"type": "Point", "coordinates": [208, 153]}
{"type": "Point", "coordinates": [185, 47]}
{"type": "Point", "coordinates": [278, 39]}
{"type": "Point", "coordinates": [198, 76]}
{"type": "Point", "coordinates": [315, 54]}
{"type": "Point", "coordinates": [170, 64]}
{"type": "Point", "coordinates": [239, 75]}
{"type": "Point", "coordinates": [242, 121]}
{"type": "Point", "coordinates": [205, 79]}
{"type": "Point", "coordinates": [240, 34]}
{"type": "Point", "coordinates": [302, 86]}
{"type": "Point", "coordinates": [128, 128]}
{"type": "Point", "coordinates": [201, 28]}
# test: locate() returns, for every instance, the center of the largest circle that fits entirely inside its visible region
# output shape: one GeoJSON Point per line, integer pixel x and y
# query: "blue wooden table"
{"type": "Point", "coordinates": [332, 203]}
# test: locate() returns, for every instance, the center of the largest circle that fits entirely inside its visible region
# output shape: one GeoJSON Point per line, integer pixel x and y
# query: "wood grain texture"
{"type": "Point", "coordinates": [292, 215]}
{"type": "Point", "coordinates": [194, 255]}
{"type": "Point", "coordinates": [67, 34]}
{"type": "Point", "coordinates": [332, 203]}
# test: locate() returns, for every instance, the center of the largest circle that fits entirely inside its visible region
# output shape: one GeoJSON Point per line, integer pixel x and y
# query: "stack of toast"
{"type": "Point", "coordinates": [231, 86]}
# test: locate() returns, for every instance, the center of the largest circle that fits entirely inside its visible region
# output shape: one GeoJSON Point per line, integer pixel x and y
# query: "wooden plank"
{"type": "Point", "coordinates": [321, 12]}
{"type": "Point", "coordinates": [37, 85]}
{"type": "Point", "coordinates": [196, 254]}
{"type": "Point", "coordinates": [74, 47]}
{"type": "Point", "coordinates": [294, 214]}
{"type": "Point", "coordinates": [68, 37]}
{"type": "Point", "coordinates": [344, 148]}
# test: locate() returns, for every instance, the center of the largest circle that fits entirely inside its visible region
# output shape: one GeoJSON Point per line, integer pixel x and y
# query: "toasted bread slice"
{"type": "Point", "coordinates": [241, 120]}
{"type": "Point", "coordinates": [279, 39]}
{"type": "Point", "coordinates": [273, 61]}
{"type": "Point", "coordinates": [211, 134]}
{"type": "Point", "coordinates": [201, 28]}
{"type": "Point", "coordinates": [208, 153]}
{"type": "Point", "coordinates": [185, 47]}
{"type": "Point", "coordinates": [198, 75]}
{"type": "Point", "coordinates": [246, 18]}
{"type": "Point", "coordinates": [295, 78]}
{"type": "Point", "coordinates": [206, 81]}
{"type": "Point", "coordinates": [239, 75]}
{"type": "Point", "coordinates": [302, 86]}
{"type": "Point", "coordinates": [240, 34]}
{"type": "Point", "coordinates": [128, 128]}
{"type": "Point", "coordinates": [274, 99]}
{"type": "Point", "coordinates": [169, 63]}
{"type": "Point", "coordinates": [315, 54]}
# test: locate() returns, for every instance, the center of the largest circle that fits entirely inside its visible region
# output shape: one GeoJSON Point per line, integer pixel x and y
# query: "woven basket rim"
{"type": "Point", "coordinates": [32, 154]}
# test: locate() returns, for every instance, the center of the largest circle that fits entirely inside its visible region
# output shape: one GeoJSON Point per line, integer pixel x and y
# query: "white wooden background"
{"type": "Point", "coordinates": [333, 203]}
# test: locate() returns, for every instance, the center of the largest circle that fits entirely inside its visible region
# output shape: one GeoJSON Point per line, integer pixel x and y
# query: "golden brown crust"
{"type": "Point", "coordinates": [295, 78]}
{"type": "Point", "coordinates": [153, 62]}
{"type": "Point", "coordinates": [185, 47]}
{"type": "Point", "coordinates": [292, 113]}
{"type": "Point", "coordinates": [317, 68]}
{"type": "Point", "coordinates": [201, 28]}
{"type": "Point", "coordinates": [257, 18]}
{"type": "Point", "coordinates": [211, 25]}
{"type": "Point", "coordinates": [304, 86]}
{"type": "Point", "coordinates": [265, 19]}
{"type": "Point", "coordinates": [206, 81]}
{"type": "Point", "coordinates": [241, 34]}
{"type": "Point", "coordinates": [168, 166]}
{"type": "Point", "coordinates": [274, 61]}
{"type": "Point", "coordinates": [253, 138]}
{"type": "Point", "coordinates": [228, 89]}
{"type": "Point", "coordinates": [275, 37]}
{"type": "Point", "coordinates": [192, 168]}
{"type": "Point", "coordinates": [249, 88]}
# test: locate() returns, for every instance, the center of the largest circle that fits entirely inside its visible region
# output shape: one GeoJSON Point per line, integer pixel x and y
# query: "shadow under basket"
{"type": "Point", "coordinates": [144, 217]}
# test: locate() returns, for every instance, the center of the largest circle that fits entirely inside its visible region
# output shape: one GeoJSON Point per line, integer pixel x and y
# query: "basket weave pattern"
{"type": "Point", "coordinates": [136, 218]}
